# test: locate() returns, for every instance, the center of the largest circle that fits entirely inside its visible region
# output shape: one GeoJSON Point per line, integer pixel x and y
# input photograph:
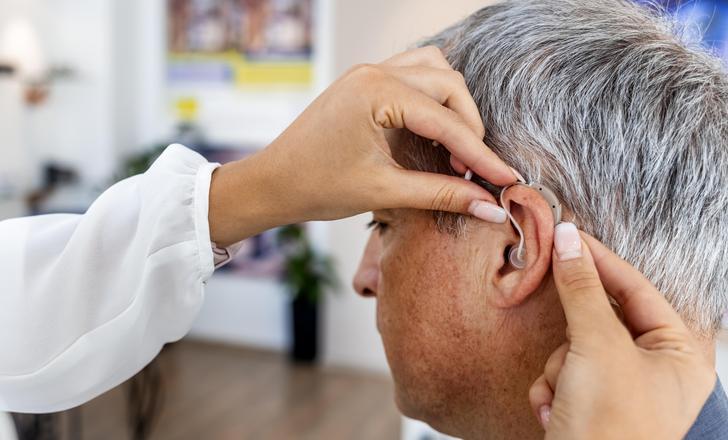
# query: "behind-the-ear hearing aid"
{"type": "Point", "coordinates": [517, 255]}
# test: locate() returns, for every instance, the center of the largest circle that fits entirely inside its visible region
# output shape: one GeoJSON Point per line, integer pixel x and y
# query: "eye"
{"type": "Point", "coordinates": [377, 226]}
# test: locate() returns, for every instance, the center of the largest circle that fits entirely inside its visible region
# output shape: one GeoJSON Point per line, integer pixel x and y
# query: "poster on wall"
{"type": "Point", "coordinates": [240, 43]}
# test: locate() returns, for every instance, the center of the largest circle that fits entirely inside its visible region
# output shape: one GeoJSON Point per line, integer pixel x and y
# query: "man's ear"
{"type": "Point", "coordinates": [532, 212]}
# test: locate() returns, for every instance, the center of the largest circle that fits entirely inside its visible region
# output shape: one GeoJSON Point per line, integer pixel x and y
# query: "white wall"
{"type": "Point", "coordinates": [14, 164]}
{"type": "Point", "coordinates": [374, 30]}
{"type": "Point", "coordinates": [75, 124]}
{"type": "Point", "coordinates": [15, 167]}
{"type": "Point", "coordinates": [249, 312]}
{"type": "Point", "coordinates": [126, 61]}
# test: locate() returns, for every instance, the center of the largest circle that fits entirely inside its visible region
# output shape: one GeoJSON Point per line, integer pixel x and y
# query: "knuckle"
{"type": "Point", "coordinates": [387, 118]}
{"type": "Point", "coordinates": [454, 118]}
{"type": "Point", "coordinates": [366, 72]}
{"type": "Point", "coordinates": [351, 71]}
{"type": "Point", "coordinates": [458, 77]}
{"type": "Point", "coordinates": [433, 51]}
{"type": "Point", "coordinates": [481, 130]}
{"type": "Point", "coordinates": [438, 132]}
{"type": "Point", "coordinates": [580, 279]}
{"type": "Point", "coordinates": [445, 199]}
{"type": "Point", "coordinates": [479, 161]}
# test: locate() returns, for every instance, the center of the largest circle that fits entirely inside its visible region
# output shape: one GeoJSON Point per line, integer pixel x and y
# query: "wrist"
{"type": "Point", "coordinates": [245, 200]}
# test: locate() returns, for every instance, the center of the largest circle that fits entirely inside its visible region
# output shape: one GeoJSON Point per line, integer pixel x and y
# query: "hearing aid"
{"type": "Point", "coordinates": [517, 255]}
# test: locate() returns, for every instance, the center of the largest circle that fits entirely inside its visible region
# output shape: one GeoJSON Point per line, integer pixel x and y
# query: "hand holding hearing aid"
{"type": "Point", "coordinates": [334, 160]}
{"type": "Point", "coordinates": [647, 380]}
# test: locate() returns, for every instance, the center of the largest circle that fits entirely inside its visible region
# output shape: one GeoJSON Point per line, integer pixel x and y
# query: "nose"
{"type": "Point", "coordinates": [367, 275]}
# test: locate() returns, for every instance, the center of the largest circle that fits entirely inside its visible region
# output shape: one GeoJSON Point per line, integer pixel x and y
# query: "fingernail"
{"type": "Point", "coordinates": [545, 413]}
{"type": "Point", "coordinates": [487, 211]}
{"type": "Point", "coordinates": [518, 175]}
{"type": "Point", "coordinates": [567, 241]}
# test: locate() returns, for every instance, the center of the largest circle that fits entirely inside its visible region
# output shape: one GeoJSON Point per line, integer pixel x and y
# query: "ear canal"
{"type": "Point", "coordinates": [516, 258]}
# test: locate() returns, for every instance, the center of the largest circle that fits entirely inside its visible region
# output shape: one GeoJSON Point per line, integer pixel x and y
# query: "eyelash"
{"type": "Point", "coordinates": [377, 226]}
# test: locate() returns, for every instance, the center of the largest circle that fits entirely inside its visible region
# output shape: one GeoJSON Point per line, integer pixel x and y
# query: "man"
{"type": "Point", "coordinates": [603, 103]}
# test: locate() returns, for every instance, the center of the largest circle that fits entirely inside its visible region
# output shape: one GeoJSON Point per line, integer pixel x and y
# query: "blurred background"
{"type": "Point", "coordinates": [92, 90]}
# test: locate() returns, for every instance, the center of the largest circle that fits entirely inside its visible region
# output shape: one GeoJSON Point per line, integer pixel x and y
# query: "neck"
{"type": "Point", "coordinates": [529, 334]}
{"type": "Point", "coordinates": [708, 346]}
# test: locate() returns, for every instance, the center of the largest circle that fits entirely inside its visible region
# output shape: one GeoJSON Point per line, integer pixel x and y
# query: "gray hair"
{"type": "Point", "coordinates": [607, 103]}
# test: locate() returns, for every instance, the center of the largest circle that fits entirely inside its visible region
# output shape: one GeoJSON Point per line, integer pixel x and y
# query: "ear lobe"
{"type": "Point", "coordinates": [534, 215]}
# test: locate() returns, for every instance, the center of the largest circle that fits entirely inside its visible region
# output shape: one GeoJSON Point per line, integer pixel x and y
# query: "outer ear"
{"type": "Point", "coordinates": [533, 214]}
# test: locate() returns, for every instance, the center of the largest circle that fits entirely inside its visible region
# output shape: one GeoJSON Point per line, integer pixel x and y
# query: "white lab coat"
{"type": "Point", "coordinates": [88, 300]}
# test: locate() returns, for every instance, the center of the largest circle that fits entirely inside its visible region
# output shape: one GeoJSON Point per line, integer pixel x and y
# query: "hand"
{"type": "Point", "coordinates": [648, 380]}
{"type": "Point", "coordinates": [334, 161]}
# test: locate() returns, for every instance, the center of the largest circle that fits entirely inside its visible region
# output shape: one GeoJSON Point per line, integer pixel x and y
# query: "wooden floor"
{"type": "Point", "coordinates": [222, 392]}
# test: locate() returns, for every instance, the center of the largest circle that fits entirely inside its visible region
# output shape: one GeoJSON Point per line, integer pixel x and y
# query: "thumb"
{"type": "Point", "coordinates": [583, 298]}
{"type": "Point", "coordinates": [437, 192]}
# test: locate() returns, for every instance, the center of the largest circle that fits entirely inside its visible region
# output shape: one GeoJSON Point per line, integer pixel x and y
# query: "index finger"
{"type": "Point", "coordinates": [644, 307]}
{"type": "Point", "coordinates": [426, 117]}
{"type": "Point", "coordinates": [432, 56]}
{"type": "Point", "coordinates": [446, 86]}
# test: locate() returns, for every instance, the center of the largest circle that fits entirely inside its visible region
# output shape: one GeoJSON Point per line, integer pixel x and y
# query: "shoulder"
{"type": "Point", "coordinates": [712, 423]}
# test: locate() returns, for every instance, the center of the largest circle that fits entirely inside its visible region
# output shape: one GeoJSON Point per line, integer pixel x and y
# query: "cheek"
{"type": "Point", "coordinates": [424, 286]}
{"type": "Point", "coordinates": [430, 315]}
{"type": "Point", "coordinates": [419, 287]}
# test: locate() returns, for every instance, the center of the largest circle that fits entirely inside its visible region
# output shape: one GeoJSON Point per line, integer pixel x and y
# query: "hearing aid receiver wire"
{"type": "Point", "coordinates": [516, 256]}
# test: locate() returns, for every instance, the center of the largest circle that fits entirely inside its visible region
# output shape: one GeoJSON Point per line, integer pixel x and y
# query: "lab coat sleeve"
{"type": "Point", "coordinates": [88, 300]}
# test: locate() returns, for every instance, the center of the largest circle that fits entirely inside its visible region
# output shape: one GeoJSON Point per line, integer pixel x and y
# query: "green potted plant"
{"type": "Point", "coordinates": [307, 274]}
